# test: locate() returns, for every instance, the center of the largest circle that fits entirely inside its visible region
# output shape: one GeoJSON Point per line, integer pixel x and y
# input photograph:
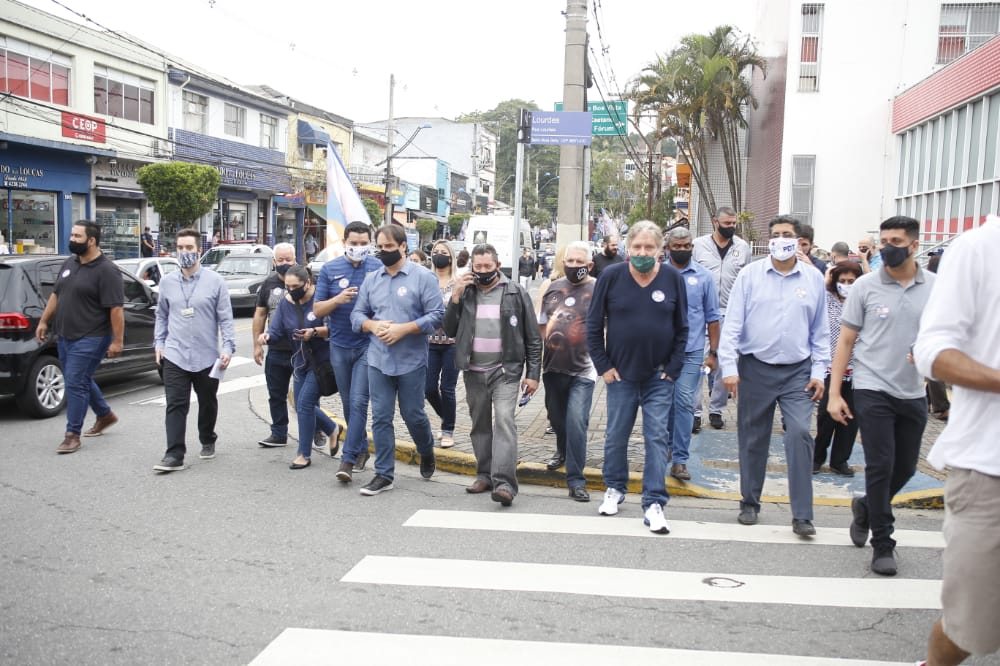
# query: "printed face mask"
{"type": "Point", "coordinates": [485, 278]}
{"type": "Point", "coordinates": [357, 252]}
{"type": "Point", "coordinates": [843, 289]}
{"type": "Point", "coordinates": [576, 275]}
{"type": "Point", "coordinates": [783, 248]}
{"type": "Point", "coordinates": [642, 264]}
{"type": "Point", "coordinates": [187, 259]}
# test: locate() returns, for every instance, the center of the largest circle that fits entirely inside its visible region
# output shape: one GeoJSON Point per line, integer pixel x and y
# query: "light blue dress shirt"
{"type": "Point", "coordinates": [412, 294]}
{"type": "Point", "coordinates": [703, 302]}
{"type": "Point", "coordinates": [780, 319]}
{"type": "Point", "coordinates": [192, 342]}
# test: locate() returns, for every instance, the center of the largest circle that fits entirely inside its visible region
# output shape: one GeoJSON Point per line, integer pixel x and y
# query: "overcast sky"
{"type": "Point", "coordinates": [449, 57]}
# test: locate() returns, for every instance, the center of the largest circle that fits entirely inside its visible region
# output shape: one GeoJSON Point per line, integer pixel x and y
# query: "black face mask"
{"type": "Point", "coordinates": [486, 278]}
{"type": "Point", "coordinates": [680, 257]}
{"type": "Point", "coordinates": [78, 248]}
{"type": "Point", "coordinates": [895, 256]}
{"type": "Point", "coordinates": [297, 294]}
{"type": "Point", "coordinates": [390, 258]}
{"type": "Point", "coordinates": [577, 275]}
{"type": "Point", "coordinates": [440, 260]}
{"type": "Point", "coordinates": [281, 269]}
{"type": "Point", "coordinates": [727, 232]}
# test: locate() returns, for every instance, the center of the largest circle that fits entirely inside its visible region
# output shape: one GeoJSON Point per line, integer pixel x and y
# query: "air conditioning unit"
{"type": "Point", "coordinates": [162, 148]}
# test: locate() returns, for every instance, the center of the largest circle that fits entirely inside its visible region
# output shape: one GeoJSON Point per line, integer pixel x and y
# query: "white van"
{"type": "Point", "coordinates": [498, 231]}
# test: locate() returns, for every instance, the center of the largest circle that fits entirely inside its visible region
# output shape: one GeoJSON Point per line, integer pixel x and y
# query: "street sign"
{"type": "Point", "coordinates": [565, 128]}
{"type": "Point", "coordinates": [609, 117]}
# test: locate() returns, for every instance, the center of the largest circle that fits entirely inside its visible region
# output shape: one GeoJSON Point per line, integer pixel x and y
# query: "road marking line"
{"type": "Point", "coordinates": [679, 529]}
{"type": "Point", "coordinates": [643, 584]}
{"type": "Point", "coordinates": [320, 647]}
{"type": "Point", "coordinates": [231, 386]}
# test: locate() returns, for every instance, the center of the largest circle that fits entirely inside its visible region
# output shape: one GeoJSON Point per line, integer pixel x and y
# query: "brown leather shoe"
{"type": "Point", "coordinates": [101, 424]}
{"type": "Point", "coordinates": [680, 471]}
{"type": "Point", "coordinates": [503, 496]}
{"type": "Point", "coordinates": [479, 486]}
{"type": "Point", "coordinates": [70, 443]}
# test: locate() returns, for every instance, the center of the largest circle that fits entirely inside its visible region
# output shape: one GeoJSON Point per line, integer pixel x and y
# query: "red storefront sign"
{"type": "Point", "coordinates": [82, 127]}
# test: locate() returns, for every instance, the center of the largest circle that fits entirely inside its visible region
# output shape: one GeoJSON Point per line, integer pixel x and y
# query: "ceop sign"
{"type": "Point", "coordinates": [83, 128]}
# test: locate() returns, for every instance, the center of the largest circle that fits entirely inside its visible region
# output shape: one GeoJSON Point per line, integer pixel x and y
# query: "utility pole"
{"type": "Point", "coordinates": [649, 185]}
{"type": "Point", "coordinates": [388, 154]}
{"type": "Point", "coordinates": [571, 158]}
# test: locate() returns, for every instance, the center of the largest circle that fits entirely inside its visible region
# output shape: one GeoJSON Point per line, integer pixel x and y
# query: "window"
{"type": "Point", "coordinates": [803, 177]}
{"type": "Point", "coordinates": [195, 112]}
{"type": "Point", "coordinates": [268, 131]}
{"type": "Point", "coordinates": [306, 151]}
{"type": "Point", "coordinates": [812, 23]}
{"type": "Point", "coordinates": [33, 72]}
{"type": "Point", "coordinates": [236, 120]}
{"type": "Point", "coordinates": [965, 26]}
{"type": "Point", "coordinates": [122, 95]}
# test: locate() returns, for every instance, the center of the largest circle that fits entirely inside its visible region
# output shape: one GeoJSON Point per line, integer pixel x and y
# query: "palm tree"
{"type": "Point", "coordinates": [700, 92]}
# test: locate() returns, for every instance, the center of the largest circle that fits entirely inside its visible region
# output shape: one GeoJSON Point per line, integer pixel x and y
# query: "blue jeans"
{"type": "Point", "coordinates": [624, 398]}
{"type": "Point", "coordinates": [384, 391]}
{"type": "Point", "coordinates": [567, 401]}
{"type": "Point", "coordinates": [79, 359]}
{"type": "Point", "coordinates": [350, 366]}
{"type": "Point", "coordinates": [310, 416]}
{"type": "Point", "coordinates": [682, 412]}
{"type": "Point", "coordinates": [441, 363]}
{"type": "Point", "coordinates": [278, 374]}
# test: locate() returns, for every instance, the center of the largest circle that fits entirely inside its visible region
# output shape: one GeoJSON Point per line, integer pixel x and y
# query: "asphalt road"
{"type": "Point", "coordinates": [105, 562]}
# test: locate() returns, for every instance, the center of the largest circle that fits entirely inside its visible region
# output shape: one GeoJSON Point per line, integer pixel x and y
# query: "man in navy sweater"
{"type": "Point", "coordinates": [637, 332]}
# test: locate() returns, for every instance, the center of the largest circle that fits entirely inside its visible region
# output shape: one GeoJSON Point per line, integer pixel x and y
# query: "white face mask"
{"type": "Point", "coordinates": [843, 289]}
{"type": "Point", "coordinates": [357, 252]}
{"type": "Point", "coordinates": [783, 248]}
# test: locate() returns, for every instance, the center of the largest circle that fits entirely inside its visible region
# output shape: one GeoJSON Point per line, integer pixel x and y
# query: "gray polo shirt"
{"type": "Point", "coordinates": [887, 318]}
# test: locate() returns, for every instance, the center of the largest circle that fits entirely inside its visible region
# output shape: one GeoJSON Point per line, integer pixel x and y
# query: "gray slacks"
{"type": "Point", "coordinates": [762, 386]}
{"type": "Point", "coordinates": [491, 397]}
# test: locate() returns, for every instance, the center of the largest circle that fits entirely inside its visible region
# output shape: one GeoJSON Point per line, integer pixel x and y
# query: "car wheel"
{"type": "Point", "coordinates": [44, 393]}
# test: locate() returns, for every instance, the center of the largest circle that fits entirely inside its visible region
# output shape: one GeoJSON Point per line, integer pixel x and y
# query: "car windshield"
{"type": "Point", "coordinates": [321, 257]}
{"type": "Point", "coordinates": [244, 265]}
{"type": "Point", "coordinates": [169, 266]}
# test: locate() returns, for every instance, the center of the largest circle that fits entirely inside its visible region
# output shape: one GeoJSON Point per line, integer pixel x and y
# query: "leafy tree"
{"type": "Point", "coordinates": [179, 191]}
{"type": "Point", "coordinates": [699, 92]}
{"type": "Point", "coordinates": [375, 212]}
{"type": "Point", "coordinates": [426, 228]}
{"type": "Point", "coordinates": [455, 222]}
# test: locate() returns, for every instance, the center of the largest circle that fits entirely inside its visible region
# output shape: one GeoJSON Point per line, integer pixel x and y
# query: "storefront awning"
{"type": "Point", "coordinates": [236, 195]}
{"type": "Point", "coordinates": [318, 211]}
{"type": "Point", "coordinates": [309, 133]}
{"type": "Point", "coordinates": [423, 215]}
{"type": "Point", "coordinates": [119, 193]}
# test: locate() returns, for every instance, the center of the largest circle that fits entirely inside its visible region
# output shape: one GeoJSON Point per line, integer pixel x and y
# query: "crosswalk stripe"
{"type": "Point", "coordinates": [228, 386]}
{"type": "Point", "coordinates": [623, 526]}
{"type": "Point", "coordinates": [319, 647]}
{"type": "Point", "coordinates": [646, 584]}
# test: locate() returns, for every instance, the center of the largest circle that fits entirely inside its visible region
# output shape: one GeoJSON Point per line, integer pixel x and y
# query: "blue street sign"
{"type": "Point", "coordinates": [561, 128]}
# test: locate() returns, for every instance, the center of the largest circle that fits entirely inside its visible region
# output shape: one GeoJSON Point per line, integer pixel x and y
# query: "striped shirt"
{"type": "Point", "coordinates": [834, 311]}
{"type": "Point", "coordinates": [487, 347]}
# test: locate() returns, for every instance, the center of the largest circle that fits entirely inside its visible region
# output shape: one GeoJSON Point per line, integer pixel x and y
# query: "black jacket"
{"type": "Point", "coordinates": [526, 266]}
{"type": "Point", "coordinates": [521, 341]}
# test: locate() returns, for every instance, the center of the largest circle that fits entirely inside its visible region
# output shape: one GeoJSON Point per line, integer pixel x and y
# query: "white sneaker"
{"type": "Point", "coordinates": [655, 519]}
{"type": "Point", "coordinates": [612, 498]}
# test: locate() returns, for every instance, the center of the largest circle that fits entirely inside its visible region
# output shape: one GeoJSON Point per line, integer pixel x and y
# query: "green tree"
{"type": "Point", "coordinates": [179, 191]}
{"type": "Point", "coordinates": [426, 228]}
{"type": "Point", "coordinates": [375, 212]}
{"type": "Point", "coordinates": [699, 92]}
{"type": "Point", "coordinates": [455, 222]}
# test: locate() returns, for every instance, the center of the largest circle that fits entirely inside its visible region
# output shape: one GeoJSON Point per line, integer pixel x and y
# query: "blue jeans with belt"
{"type": "Point", "coordinates": [79, 359]}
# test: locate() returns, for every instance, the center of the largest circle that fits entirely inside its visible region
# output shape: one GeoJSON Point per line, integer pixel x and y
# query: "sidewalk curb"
{"type": "Point", "coordinates": [532, 473]}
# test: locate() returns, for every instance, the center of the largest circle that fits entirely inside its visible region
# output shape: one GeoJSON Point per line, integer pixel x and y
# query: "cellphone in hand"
{"type": "Point", "coordinates": [525, 397]}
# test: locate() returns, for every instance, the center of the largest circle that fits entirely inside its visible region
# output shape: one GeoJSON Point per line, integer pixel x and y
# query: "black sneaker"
{"type": "Point", "coordinates": [715, 420]}
{"type": "Point", "coordinates": [377, 485]}
{"type": "Point", "coordinates": [842, 470]}
{"type": "Point", "coordinates": [169, 464]}
{"type": "Point", "coordinates": [271, 442]}
{"type": "Point", "coordinates": [883, 562]}
{"type": "Point", "coordinates": [817, 467]}
{"type": "Point", "coordinates": [859, 526]}
{"type": "Point", "coordinates": [696, 425]}
{"type": "Point", "coordinates": [345, 473]}
{"type": "Point", "coordinates": [362, 460]}
{"type": "Point", "coordinates": [207, 451]}
{"type": "Point", "coordinates": [427, 466]}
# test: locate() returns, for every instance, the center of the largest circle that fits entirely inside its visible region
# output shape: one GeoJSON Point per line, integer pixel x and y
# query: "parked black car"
{"type": "Point", "coordinates": [30, 370]}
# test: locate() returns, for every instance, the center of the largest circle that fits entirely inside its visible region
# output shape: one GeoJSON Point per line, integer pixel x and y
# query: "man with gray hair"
{"type": "Point", "coordinates": [724, 254]}
{"type": "Point", "coordinates": [278, 364]}
{"type": "Point", "coordinates": [871, 258]}
{"type": "Point", "coordinates": [703, 317]}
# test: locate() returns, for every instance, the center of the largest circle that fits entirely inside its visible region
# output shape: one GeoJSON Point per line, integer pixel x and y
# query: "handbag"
{"type": "Point", "coordinates": [326, 380]}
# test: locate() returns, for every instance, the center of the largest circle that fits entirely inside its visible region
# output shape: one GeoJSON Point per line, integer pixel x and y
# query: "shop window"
{"type": "Point", "coordinates": [236, 120]}
{"type": "Point", "coordinates": [195, 112]}
{"type": "Point", "coordinates": [33, 216]}
{"type": "Point", "coordinates": [34, 73]}
{"type": "Point", "coordinates": [121, 95]}
{"type": "Point", "coordinates": [268, 131]}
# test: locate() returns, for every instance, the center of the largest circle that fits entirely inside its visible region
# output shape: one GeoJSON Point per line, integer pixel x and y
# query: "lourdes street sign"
{"type": "Point", "coordinates": [609, 117]}
{"type": "Point", "coordinates": [563, 128]}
